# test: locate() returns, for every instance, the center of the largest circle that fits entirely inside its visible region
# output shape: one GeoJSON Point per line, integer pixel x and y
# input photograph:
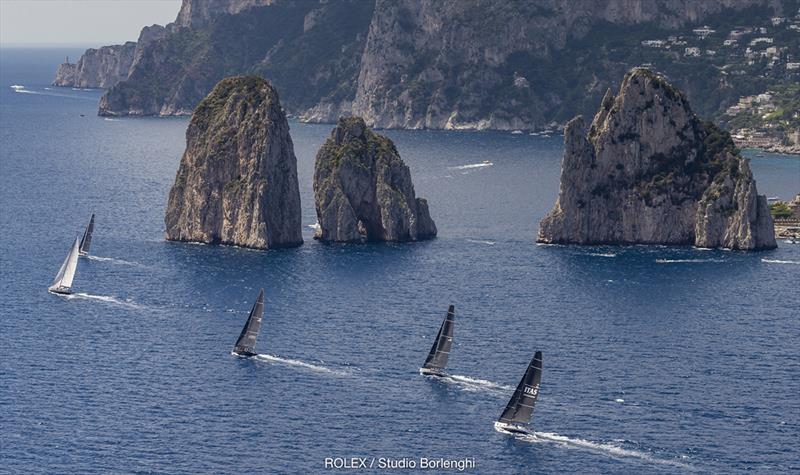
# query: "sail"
{"type": "Point", "coordinates": [86, 240]}
{"type": "Point", "coordinates": [440, 351]}
{"type": "Point", "coordinates": [66, 273]}
{"type": "Point", "coordinates": [520, 407]}
{"type": "Point", "coordinates": [246, 343]}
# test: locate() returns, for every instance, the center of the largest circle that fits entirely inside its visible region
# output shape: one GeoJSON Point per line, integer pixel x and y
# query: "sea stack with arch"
{"type": "Point", "coordinates": [363, 190]}
{"type": "Point", "coordinates": [649, 171]}
{"type": "Point", "coordinates": [237, 180]}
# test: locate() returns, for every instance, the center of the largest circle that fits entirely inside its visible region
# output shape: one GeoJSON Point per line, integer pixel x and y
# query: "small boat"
{"type": "Point", "coordinates": [63, 281]}
{"type": "Point", "coordinates": [246, 344]}
{"type": "Point", "coordinates": [440, 351]}
{"type": "Point", "coordinates": [519, 410]}
{"type": "Point", "coordinates": [86, 240]}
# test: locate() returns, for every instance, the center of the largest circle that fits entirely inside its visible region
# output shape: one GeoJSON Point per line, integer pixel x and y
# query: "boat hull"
{"type": "Point", "coordinates": [512, 429]}
{"type": "Point", "coordinates": [432, 372]}
{"type": "Point", "coordinates": [244, 354]}
{"type": "Point", "coordinates": [59, 290]}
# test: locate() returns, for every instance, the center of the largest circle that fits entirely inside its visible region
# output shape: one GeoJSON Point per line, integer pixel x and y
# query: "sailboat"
{"type": "Point", "coordinates": [246, 344]}
{"type": "Point", "coordinates": [66, 273]}
{"type": "Point", "coordinates": [519, 410]}
{"type": "Point", "coordinates": [440, 351]}
{"type": "Point", "coordinates": [86, 240]}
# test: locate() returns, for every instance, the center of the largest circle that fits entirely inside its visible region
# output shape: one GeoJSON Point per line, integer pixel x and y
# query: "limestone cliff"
{"type": "Point", "coordinates": [102, 67]}
{"type": "Point", "coordinates": [648, 170]}
{"type": "Point", "coordinates": [237, 181]}
{"type": "Point", "coordinates": [363, 190]}
{"type": "Point", "coordinates": [452, 64]}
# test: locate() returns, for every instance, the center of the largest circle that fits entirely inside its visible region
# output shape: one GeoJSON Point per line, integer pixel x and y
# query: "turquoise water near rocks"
{"type": "Point", "coordinates": [656, 359]}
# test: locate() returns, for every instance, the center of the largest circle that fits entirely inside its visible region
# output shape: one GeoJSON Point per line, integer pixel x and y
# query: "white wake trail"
{"type": "Point", "coordinates": [102, 298]}
{"type": "Point", "coordinates": [600, 448]}
{"type": "Point", "coordinates": [686, 261]}
{"type": "Point", "coordinates": [470, 166]}
{"type": "Point", "coordinates": [475, 384]}
{"type": "Point", "coordinates": [778, 261]}
{"type": "Point", "coordinates": [481, 241]}
{"type": "Point", "coordinates": [112, 260]}
{"type": "Point", "coordinates": [300, 364]}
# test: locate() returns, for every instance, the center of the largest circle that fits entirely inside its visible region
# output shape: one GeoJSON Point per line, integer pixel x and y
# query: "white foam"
{"type": "Point", "coordinates": [778, 261]}
{"type": "Point", "coordinates": [686, 261]}
{"type": "Point", "coordinates": [598, 447]}
{"type": "Point", "coordinates": [473, 165]}
{"type": "Point", "coordinates": [619, 400]}
{"type": "Point", "coordinates": [602, 254]}
{"type": "Point", "coordinates": [300, 364]}
{"type": "Point", "coordinates": [475, 384]}
{"type": "Point", "coordinates": [17, 87]}
{"type": "Point", "coordinates": [102, 298]}
{"type": "Point", "coordinates": [112, 260]}
{"type": "Point", "coordinates": [314, 226]}
{"type": "Point", "coordinates": [479, 241]}
{"type": "Point", "coordinates": [109, 119]}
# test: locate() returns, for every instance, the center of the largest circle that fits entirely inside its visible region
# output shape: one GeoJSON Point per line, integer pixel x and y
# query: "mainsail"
{"type": "Point", "coordinates": [520, 407]}
{"type": "Point", "coordinates": [440, 351]}
{"type": "Point", "coordinates": [246, 344]}
{"type": "Point", "coordinates": [66, 273]}
{"type": "Point", "coordinates": [86, 240]}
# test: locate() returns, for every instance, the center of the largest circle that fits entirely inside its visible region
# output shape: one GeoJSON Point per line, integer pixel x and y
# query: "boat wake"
{"type": "Point", "coordinates": [480, 241]}
{"type": "Point", "coordinates": [112, 260]}
{"type": "Point", "coordinates": [602, 254]}
{"type": "Point", "coordinates": [472, 165]}
{"type": "Point", "coordinates": [609, 449]}
{"type": "Point", "coordinates": [474, 384]}
{"type": "Point", "coordinates": [300, 364]}
{"type": "Point", "coordinates": [686, 261]}
{"type": "Point", "coordinates": [103, 298]}
{"type": "Point", "coordinates": [778, 261]}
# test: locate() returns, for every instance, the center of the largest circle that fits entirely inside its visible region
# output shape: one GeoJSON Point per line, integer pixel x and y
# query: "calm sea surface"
{"type": "Point", "coordinates": [656, 359]}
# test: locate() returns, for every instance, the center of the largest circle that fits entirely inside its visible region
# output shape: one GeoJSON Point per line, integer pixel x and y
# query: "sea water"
{"type": "Point", "coordinates": [656, 359]}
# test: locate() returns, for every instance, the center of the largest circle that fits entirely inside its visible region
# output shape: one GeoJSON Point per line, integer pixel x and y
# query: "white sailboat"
{"type": "Point", "coordinates": [63, 281]}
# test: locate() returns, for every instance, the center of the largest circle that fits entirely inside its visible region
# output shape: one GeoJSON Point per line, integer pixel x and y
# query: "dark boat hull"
{"type": "Point", "coordinates": [513, 429]}
{"type": "Point", "coordinates": [432, 372]}
{"type": "Point", "coordinates": [60, 291]}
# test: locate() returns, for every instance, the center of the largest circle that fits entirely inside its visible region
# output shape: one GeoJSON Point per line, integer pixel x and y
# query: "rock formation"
{"type": "Point", "coordinates": [363, 190]}
{"type": "Point", "coordinates": [237, 181]}
{"type": "Point", "coordinates": [648, 170]}
{"type": "Point", "coordinates": [451, 64]}
{"type": "Point", "coordinates": [101, 67]}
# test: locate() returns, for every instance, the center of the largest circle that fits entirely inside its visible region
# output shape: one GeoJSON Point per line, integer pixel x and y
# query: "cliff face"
{"type": "Point", "coordinates": [363, 190]}
{"type": "Point", "coordinates": [648, 170]}
{"type": "Point", "coordinates": [237, 181]}
{"type": "Point", "coordinates": [101, 67]}
{"type": "Point", "coordinates": [417, 63]}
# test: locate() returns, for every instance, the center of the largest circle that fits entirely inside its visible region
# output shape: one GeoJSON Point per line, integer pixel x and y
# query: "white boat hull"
{"type": "Point", "coordinates": [432, 372]}
{"type": "Point", "coordinates": [512, 429]}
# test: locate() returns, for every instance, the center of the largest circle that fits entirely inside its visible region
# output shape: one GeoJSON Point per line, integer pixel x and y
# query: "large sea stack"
{"type": "Point", "coordinates": [363, 190]}
{"type": "Point", "coordinates": [237, 181]}
{"type": "Point", "coordinates": [650, 171]}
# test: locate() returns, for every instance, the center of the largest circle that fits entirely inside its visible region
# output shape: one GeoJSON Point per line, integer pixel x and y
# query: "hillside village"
{"type": "Point", "coordinates": [767, 113]}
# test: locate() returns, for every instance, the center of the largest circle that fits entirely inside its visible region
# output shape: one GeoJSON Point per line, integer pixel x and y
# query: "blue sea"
{"type": "Point", "coordinates": [656, 359]}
